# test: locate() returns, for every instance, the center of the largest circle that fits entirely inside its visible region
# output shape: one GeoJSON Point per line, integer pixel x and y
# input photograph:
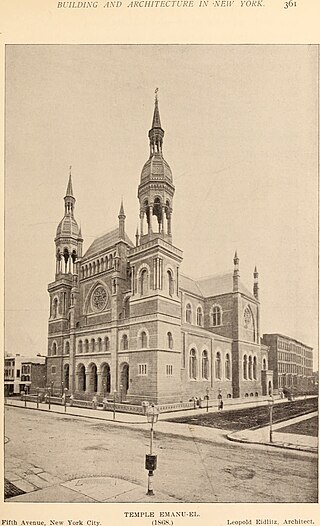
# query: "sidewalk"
{"type": "Point", "coordinates": [282, 440]}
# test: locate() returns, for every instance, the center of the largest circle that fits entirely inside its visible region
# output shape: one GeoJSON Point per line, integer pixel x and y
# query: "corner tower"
{"type": "Point", "coordinates": [155, 304]}
{"type": "Point", "coordinates": [156, 189]}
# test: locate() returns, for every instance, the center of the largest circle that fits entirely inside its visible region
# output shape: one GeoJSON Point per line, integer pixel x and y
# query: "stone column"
{"type": "Point", "coordinates": [99, 386]}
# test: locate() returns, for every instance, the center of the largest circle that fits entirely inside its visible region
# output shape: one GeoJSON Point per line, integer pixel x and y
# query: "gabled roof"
{"type": "Point", "coordinates": [213, 285]}
{"type": "Point", "coordinates": [106, 241]}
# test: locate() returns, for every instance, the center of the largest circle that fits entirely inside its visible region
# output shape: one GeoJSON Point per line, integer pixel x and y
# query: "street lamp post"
{"type": "Point", "coordinates": [65, 399]}
{"type": "Point", "coordinates": [25, 396]}
{"type": "Point", "coordinates": [151, 459]}
{"type": "Point", "coordinates": [270, 403]}
{"type": "Point", "coordinates": [121, 388]}
{"type": "Point", "coordinates": [114, 404]}
{"type": "Point", "coordinates": [49, 398]}
{"type": "Point", "coordinates": [37, 397]}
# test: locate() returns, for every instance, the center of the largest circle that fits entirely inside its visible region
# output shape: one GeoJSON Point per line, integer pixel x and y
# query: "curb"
{"type": "Point", "coordinates": [279, 445]}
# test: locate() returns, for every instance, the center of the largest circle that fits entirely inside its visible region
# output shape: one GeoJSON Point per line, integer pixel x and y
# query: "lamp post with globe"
{"type": "Point", "coordinates": [152, 414]}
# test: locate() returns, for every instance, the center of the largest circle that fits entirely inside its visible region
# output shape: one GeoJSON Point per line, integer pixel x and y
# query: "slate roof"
{"type": "Point", "coordinates": [106, 241]}
{"type": "Point", "coordinates": [212, 285]}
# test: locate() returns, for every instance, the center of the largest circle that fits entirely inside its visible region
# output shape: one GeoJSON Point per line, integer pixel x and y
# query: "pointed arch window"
{"type": "Point", "coordinates": [170, 283]}
{"type": "Point", "coordinates": [255, 368]}
{"type": "Point", "coordinates": [170, 340]}
{"type": "Point", "coordinates": [250, 368]}
{"type": "Point", "coordinates": [205, 365]}
{"type": "Point", "coordinates": [124, 342]}
{"type": "Point", "coordinates": [216, 316]}
{"type": "Point", "coordinates": [227, 367]}
{"type": "Point", "coordinates": [193, 365]}
{"type": "Point", "coordinates": [54, 349]}
{"type": "Point", "coordinates": [143, 340]}
{"type": "Point", "coordinates": [199, 317]}
{"type": "Point", "coordinates": [55, 308]}
{"type": "Point", "coordinates": [245, 367]}
{"type": "Point", "coordinates": [188, 313]}
{"type": "Point", "coordinates": [218, 366]}
{"type": "Point", "coordinates": [143, 282]}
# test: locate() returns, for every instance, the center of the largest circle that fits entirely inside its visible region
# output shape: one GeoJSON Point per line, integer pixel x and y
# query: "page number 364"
{"type": "Point", "coordinates": [291, 3]}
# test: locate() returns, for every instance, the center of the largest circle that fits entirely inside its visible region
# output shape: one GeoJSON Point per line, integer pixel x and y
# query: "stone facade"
{"type": "Point", "coordinates": [125, 322]}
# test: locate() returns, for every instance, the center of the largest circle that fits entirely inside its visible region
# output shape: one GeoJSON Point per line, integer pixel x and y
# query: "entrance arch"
{"type": "Point", "coordinates": [66, 376]}
{"type": "Point", "coordinates": [124, 378]}
{"type": "Point", "coordinates": [81, 374]}
{"type": "Point", "coordinates": [93, 378]}
{"type": "Point", "coordinates": [106, 378]}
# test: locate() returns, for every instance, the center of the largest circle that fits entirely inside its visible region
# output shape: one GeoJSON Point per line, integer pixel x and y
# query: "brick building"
{"type": "Point", "coordinates": [291, 362]}
{"type": "Point", "coordinates": [124, 318]}
{"type": "Point", "coordinates": [22, 372]}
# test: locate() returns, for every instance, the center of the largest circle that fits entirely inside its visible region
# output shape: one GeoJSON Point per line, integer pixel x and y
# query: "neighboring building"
{"type": "Point", "coordinates": [123, 317]}
{"type": "Point", "coordinates": [22, 371]}
{"type": "Point", "coordinates": [291, 362]}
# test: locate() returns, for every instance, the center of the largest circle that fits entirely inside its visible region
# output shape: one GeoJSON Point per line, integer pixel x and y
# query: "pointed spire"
{"type": "Point", "coordinates": [137, 237]}
{"type": "Point", "coordinates": [256, 283]}
{"type": "Point", "coordinates": [156, 133]}
{"type": "Point", "coordinates": [236, 273]}
{"type": "Point", "coordinates": [121, 211]}
{"type": "Point", "coordinates": [69, 192]}
{"type": "Point", "coordinates": [121, 218]}
{"type": "Point", "coordinates": [156, 123]}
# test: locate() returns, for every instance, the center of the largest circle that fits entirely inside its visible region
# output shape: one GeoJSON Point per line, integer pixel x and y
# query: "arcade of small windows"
{"type": "Point", "coordinates": [249, 365]}
{"type": "Point", "coordinates": [100, 265]}
{"type": "Point", "coordinates": [216, 316]}
{"type": "Point", "coordinates": [94, 345]}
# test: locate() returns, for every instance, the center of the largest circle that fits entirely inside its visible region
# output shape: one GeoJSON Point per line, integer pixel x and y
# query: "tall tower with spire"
{"type": "Point", "coordinates": [64, 295]}
{"type": "Point", "coordinates": [154, 267]}
{"type": "Point", "coordinates": [156, 189]}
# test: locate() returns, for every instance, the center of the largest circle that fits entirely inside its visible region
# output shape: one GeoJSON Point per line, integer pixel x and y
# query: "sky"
{"type": "Point", "coordinates": [241, 139]}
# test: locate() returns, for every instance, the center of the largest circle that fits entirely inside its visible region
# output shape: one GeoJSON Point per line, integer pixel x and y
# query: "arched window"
{"type": "Point", "coordinates": [248, 322]}
{"type": "Point", "coordinates": [216, 316]}
{"type": "Point", "coordinates": [106, 344]}
{"type": "Point", "coordinates": [55, 308]}
{"type": "Point", "coordinates": [170, 340]}
{"type": "Point", "coordinates": [143, 281]}
{"type": "Point", "coordinates": [227, 367]}
{"type": "Point", "coordinates": [92, 345]}
{"type": "Point", "coordinates": [99, 345]}
{"type": "Point", "coordinates": [67, 348]}
{"type": "Point", "coordinates": [126, 308]}
{"type": "Point", "coordinates": [124, 342]}
{"type": "Point", "coordinates": [245, 367]}
{"type": "Point", "coordinates": [250, 368]}
{"type": "Point", "coordinates": [110, 261]}
{"type": "Point", "coordinates": [199, 316]}
{"type": "Point", "coordinates": [170, 283]}
{"type": "Point", "coordinates": [218, 366]}
{"type": "Point", "coordinates": [264, 364]}
{"type": "Point", "coordinates": [193, 365]}
{"type": "Point", "coordinates": [143, 340]}
{"type": "Point", "coordinates": [205, 365]}
{"type": "Point", "coordinates": [54, 349]}
{"type": "Point", "coordinates": [86, 346]}
{"type": "Point", "coordinates": [188, 313]}
{"type": "Point", "coordinates": [255, 368]}
{"type": "Point", "coordinates": [80, 346]}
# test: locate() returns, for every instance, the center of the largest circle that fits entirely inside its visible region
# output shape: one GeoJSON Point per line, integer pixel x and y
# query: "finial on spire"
{"type": "Point", "coordinates": [236, 259]}
{"type": "Point", "coordinates": [69, 192]}
{"type": "Point", "coordinates": [121, 218]}
{"type": "Point", "coordinates": [121, 211]}
{"type": "Point", "coordinates": [256, 283]}
{"type": "Point", "coordinates": [70, 168]}
{"type": "Point", "coordinates": [156, 94]}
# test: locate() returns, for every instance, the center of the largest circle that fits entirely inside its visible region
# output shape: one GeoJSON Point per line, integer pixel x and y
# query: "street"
{"type": "Point", "coordinates": [189, 470]}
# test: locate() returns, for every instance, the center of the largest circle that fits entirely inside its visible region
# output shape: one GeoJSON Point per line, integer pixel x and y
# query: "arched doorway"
{"type": "Point", "coordinates": [124, 378]}
{"type": "Point", "coordinates": [66, 376]}
{"type": "Point", "coordinates": [93, 378]}
{"type": "Point", "coordinates": [81, 373]}
{"type": "Point", "coordinates": [106, 378]}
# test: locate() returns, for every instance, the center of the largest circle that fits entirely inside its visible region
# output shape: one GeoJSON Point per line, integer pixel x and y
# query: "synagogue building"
{"type": "Point", "coordinates": [123, 316]}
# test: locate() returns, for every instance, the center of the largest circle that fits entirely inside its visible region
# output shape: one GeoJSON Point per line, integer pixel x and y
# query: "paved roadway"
{"type": "Point", "coordinates": [189, 469]}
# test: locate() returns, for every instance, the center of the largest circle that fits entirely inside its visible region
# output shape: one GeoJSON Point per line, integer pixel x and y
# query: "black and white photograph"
{"type": "Point", "coordinates": [161, 274]}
